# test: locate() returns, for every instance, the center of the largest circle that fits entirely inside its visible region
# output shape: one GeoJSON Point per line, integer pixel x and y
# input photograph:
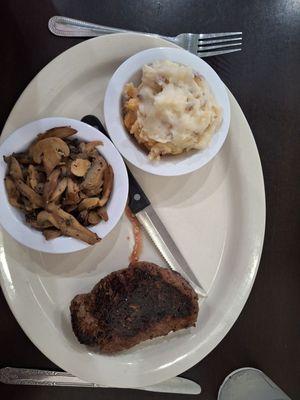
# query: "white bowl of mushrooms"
{"type": "Point", "coordinates": [63, 185]}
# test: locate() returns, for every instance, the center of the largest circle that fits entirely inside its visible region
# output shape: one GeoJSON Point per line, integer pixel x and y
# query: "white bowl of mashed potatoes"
{"type": "Point", "coordinates": [167, 111]}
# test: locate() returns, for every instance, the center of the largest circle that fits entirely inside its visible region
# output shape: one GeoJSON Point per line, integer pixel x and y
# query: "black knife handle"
{"type": "Point", "coordinates": [95, 123]}
{"type": "Point", "coordinates": [137, 200]}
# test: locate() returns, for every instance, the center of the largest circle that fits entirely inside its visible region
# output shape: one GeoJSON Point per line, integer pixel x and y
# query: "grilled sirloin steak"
{"type": "Point", "coordinates": [131, 305]}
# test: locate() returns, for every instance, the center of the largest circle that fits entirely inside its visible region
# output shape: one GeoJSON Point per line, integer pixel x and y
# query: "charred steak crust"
{"type": "Point", "coordinates": [131, 305]}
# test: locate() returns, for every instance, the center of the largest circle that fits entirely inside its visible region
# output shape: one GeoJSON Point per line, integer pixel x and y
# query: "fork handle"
{"type": "Point", "coordinates": [64, 26]}
{"type": "Point", "coordinates": [37, 377]}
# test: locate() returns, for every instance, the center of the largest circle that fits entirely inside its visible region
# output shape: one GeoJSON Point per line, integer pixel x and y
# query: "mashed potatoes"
{"type": "Point", "coordinates": [172, 110]}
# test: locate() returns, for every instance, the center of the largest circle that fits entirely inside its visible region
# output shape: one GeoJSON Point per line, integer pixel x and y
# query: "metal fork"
{"type": "Point", "coordinates": [37, 377]}
{"type": "Point", "coordinates": [202, 44]}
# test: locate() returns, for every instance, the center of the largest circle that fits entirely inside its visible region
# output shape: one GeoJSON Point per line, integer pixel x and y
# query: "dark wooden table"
{"type": "Point", "coordinates": [264, 78]}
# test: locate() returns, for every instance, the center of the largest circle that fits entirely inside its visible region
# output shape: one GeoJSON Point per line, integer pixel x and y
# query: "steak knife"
{"type": "Point", "coordinates": [141, 207]}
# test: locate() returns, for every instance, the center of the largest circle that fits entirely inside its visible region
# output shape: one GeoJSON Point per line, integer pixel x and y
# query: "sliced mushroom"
{"type": "Point", "coordinates": [72, 196]}
{"type": "Point", "coordinates": [66, 167]}
{"type": "Point", "coordinates": [82, 153]}
{"type": "Point", "coordinates": [74, 148]}
{"type": "Point", "coordinates": [83, 195]}
{"type": "Point", "coordinates": [70, 226]}
{"type": "Point", "coordinates": [83, 217]}
{"type": "Point", "coordinates": [94, 178]}
{"type": "Point", "coordinates": [49, 151]}
{"type": "Point", "coordinates": [41, 183]}
{"type": "Point", "coordinates": [42, 220]}
{"type": "Point", "coordinates": [107, 185]}
{"type": "Point", "coordinates": [15, 170]}
{"type": "Point", "coordinates": [72, 141]}
{"type": "Point", "coordinates": [59, 132]}
{"type": "Point", "coordinates": [64, 170]}
{"type": "Point", "coordinates": [71, 207]}
{"type": "Point", "coordinates": [93, 217]}
{"type": "Point", "coordinates": [46, 220]}
{"type": "Point", "coordinates": [23, 158]}
{"type": "Point", "coordinates": [12, 193]}
{"type": "Point", "coordinates": [32, 177]}
{"type": "Point", "coordinates": [88, 203]}
{"type": "Point", "coordinates": [34, 198]}
{"type": "Point", "coordinates": [51, 234]}
{"type": "Point", "coordinates": [40, 188]}
{"type": "Point", "coordinates": [88, 150]}
{"type": "Point", "coordinates": [60, 188]}
{"type": "Point", "coordinates": [102, 213]}
{"type": "Point", "coordinates": [79, 167]}
{"type": "Point", "coordinates": [90, 146]}
{"type": "Point", "coordinates": [51, 184]}
{"type": "Point", "coordinates": [28, 206]}
{"type": "Point", "coordinates": [32, 222]}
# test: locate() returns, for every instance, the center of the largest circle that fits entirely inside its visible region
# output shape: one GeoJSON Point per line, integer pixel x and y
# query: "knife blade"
{"type": "Point", "coordinates": [141, 207]}
{"type": "Point", "coordinates": [167, 247]}
{"type": "Point", "coordinates": [37, 377]}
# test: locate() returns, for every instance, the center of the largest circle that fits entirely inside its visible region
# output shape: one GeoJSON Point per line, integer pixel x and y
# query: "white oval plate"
{"type": "Point", "coordinates": [12, 220]}
{"type": "Point", "coordinates": [130, 71]}
{"type": "Point", "coordinates": [216, 216]}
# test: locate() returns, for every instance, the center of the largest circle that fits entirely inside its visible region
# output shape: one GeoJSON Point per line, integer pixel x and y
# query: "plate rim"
{"type": "Point", "coordinates": [179, 367]}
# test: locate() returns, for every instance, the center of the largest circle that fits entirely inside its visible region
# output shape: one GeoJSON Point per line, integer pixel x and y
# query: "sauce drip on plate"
{"type": "Point", "coordinates": [137, 248]}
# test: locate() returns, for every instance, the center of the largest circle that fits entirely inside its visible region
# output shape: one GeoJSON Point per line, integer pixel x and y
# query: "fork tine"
{"type": "Point", "coordinates": [218, 40]}
{"type": "Point", "coordinates": [215, 35]}
{"type": "Point", "coordinates": [203, 54]}
{"type": "Point", "coordinates": [218, 46]}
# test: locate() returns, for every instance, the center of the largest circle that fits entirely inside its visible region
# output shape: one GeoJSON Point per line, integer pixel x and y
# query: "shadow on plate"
{"type": "Point", "coordinates": [136, 353]}
{"type": "Point", "coordinates": [187, 189]}
{"type": "Point", "coordinates": [79, 83]}
{"type": "Point", "coordinates": [67, 331]}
